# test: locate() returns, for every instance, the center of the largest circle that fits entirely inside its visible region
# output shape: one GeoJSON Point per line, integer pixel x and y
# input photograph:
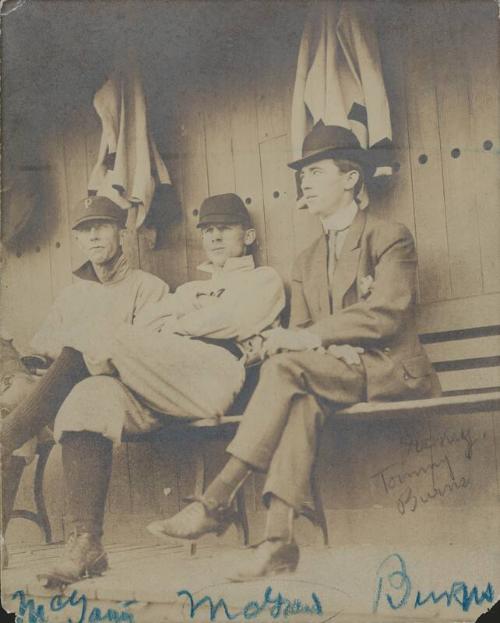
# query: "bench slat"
{"type": "Point", "coordinates": [464, 349]}
{"type": "Point", "coordinates": [444, 404]}
{"type": "Point", "coordinates": [476, 378]}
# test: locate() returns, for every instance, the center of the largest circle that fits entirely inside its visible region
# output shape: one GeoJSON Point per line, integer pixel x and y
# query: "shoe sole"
{"type": "Point", "coordinates": [57, 580]}
{"type": "Point", "coordinates": [158, 531]}
{"type": "Point", "coordinates": [278, 571]}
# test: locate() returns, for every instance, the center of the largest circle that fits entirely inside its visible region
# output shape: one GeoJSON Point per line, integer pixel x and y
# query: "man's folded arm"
{"type": "Point", "coordinates": [152, 292]}
{"type": "Point", "coordinates": [241, 311]}
{"type": "Point", "coordinates": [382, 314]}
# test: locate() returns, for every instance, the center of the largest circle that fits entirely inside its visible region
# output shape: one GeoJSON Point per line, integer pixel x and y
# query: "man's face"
{"type": "Point", "coordinates": [222, 241]}
{"type": "Point", "coordinates": [99, 240]}
{"type": "Point", "coordinates": [325, 188]}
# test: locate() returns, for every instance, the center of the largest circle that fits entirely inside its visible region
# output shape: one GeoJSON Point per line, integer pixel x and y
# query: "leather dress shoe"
{"type": "Point", "coordinates": [271, 557]}
{"type": "Point", "coordinates": [83, 557]}
{"type": "Point", "coordinates": [198, 518]}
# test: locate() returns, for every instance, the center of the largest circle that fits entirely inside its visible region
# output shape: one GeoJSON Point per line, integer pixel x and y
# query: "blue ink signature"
{"type": "Point", "coordinates": [278, 606]}
{"type": "Point", "coordinates": [394, 584]}
{"type": "Point", "coordinates": [36, 613]}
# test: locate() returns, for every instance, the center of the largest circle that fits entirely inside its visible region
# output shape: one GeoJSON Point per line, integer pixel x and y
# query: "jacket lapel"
{"type": "Point", "coordinates": [347, 265]}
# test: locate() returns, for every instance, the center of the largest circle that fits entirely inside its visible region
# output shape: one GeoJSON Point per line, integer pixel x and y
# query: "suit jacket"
{"type": "Point", "coordinates": [380, 319]}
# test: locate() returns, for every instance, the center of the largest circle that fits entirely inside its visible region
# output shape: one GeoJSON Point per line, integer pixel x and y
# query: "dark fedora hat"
{"type": "Point", "coordinates": [227, 208]}
{"type": "Point", "coordinates": [332, 141]}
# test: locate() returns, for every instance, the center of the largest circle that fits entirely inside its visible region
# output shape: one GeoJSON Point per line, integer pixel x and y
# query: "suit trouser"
{"type": "Point", "coordinates": [279, 432]}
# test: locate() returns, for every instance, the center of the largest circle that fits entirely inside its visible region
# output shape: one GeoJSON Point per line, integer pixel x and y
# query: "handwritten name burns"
{"type": "Point", "coordinates": [394, 587]}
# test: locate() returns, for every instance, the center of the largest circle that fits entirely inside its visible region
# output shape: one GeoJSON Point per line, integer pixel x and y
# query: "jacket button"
{"type": "Point", "coordinates": [406, 376]}
{"type": "Point", "coordinates": [387, 349]}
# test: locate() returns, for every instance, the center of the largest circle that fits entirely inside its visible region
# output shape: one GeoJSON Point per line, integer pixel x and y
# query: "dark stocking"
{"type": "Point", "coordinates": [41, 406]}
{"type": "Point", "coordinates": [87, 459]}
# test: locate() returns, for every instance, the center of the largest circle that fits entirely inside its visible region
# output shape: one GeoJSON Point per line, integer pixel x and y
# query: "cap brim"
{"type": "Point", "coordinates": [96, 217]}
{"type": "Point", "coordinates": [214, 220]}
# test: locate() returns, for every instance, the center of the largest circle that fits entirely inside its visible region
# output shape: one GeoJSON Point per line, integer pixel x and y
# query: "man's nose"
{"type": "Point", "coordinates": [217, 234]}
{"type": "Point", "coordinates": [305, 182]}
{"type": "Point", "coordinates": [94, 233]}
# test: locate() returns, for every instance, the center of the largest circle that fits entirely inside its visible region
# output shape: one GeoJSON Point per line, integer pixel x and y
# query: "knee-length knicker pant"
{"type": "Point", "coordinates": [158, 372]}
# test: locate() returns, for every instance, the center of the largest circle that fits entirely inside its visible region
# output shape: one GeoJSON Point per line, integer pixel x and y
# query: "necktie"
{"type": "Point", "coordinates": [333, 253]}
{"type": "Point", "coordinates": [332, 259]}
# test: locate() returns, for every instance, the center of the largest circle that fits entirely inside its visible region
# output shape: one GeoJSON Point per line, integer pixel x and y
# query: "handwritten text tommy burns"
{"type": "Point", "coordinates": [427, 480]}
{"type": "Point", "coordinates": [408, 500]}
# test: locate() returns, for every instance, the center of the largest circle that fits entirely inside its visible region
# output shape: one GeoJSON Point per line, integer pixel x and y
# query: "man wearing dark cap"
{"type": "Point", "coordinates": [106, 290]}
{"type": "Point", "coordinates": [181, 354]}
{"type": "Point", "coordinates": [353, 338]}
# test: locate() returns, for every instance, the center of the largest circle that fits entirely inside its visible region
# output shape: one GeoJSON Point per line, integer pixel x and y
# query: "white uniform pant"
{"type": "Point", "coordinates": [158, 372]}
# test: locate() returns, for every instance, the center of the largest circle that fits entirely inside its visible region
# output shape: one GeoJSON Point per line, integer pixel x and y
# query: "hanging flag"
{"type": "Point", "coordinates": [129, 169]}
{"type": "Point", "coordinates": [339, 80]}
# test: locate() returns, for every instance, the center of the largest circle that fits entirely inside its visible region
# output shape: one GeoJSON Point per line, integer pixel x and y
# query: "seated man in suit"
{"type": "Point", "coordinates": [183, 356]}
{"type": "Point", "coordinates": [353, 338]}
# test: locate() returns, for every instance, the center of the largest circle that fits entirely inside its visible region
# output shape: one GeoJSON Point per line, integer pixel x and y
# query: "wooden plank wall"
{"type": "Point", "coordinates": [441, 68]}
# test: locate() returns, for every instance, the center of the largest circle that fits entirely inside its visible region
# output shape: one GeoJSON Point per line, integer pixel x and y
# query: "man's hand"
{"type": "Point", "coordinates": [188, 300]}
{"type": "Point", "coordinates": [203, 300]}
{"type": "Point", "coordinates": [279, 340]}
{"type": "Point", "coordinates": [348, 354]}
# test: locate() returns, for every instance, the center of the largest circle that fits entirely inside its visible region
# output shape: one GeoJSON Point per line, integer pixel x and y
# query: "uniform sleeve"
{"type": "Point", "coordinates": [243, 310]}
{"type": "Point", "coordinates": [48, 340]}
{"type": "Point", "coordinates": [151, 291]}
{"type": "Point", "coordinates": [383, 314]}
{"type": "Point", "coordinates": [300, 315]}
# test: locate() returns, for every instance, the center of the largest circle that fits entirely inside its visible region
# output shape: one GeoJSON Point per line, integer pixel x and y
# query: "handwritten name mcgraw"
{"type": "Point", "coordinates": [276, 606]}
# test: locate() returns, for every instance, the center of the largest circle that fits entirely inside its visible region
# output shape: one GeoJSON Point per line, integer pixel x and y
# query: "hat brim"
{"type": "Point", "coordinates": [355, 155]}
{"type": "Point", "coordinates": [97, 217]}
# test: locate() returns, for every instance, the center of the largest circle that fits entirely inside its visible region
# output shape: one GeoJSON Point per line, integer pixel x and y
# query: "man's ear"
{"type": "Point", "coordinates": [351, 179]}
{"type": "Point", "coordinates": [123, 235]}
{"type": "Point", "coordinates": [250, 236]}
{"type": "Point", "coordinates": [76, 235]}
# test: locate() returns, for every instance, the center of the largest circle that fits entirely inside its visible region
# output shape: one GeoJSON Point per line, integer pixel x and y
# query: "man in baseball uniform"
{"type": "Point", "coordinates": [183, 356]}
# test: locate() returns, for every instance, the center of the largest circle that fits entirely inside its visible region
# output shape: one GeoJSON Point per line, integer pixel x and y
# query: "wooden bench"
{"type": "Point", "coordinates": [467, 362]}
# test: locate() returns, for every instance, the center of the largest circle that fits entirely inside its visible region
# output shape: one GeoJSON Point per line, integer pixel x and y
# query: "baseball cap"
{"type": "Point", "coordinates": [98, 208]}
{"type": "Point", "coordinates": [227, 208]}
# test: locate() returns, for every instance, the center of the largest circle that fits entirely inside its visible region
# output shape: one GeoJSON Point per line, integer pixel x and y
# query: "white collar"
{"type": "Point", "coordinates": [342, 219]}
{"type": "Point", "coordinates": [233, 264]}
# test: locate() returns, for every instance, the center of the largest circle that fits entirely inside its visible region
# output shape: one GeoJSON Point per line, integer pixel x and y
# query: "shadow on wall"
{"type": "Point", "coordinates": [22, 204]}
